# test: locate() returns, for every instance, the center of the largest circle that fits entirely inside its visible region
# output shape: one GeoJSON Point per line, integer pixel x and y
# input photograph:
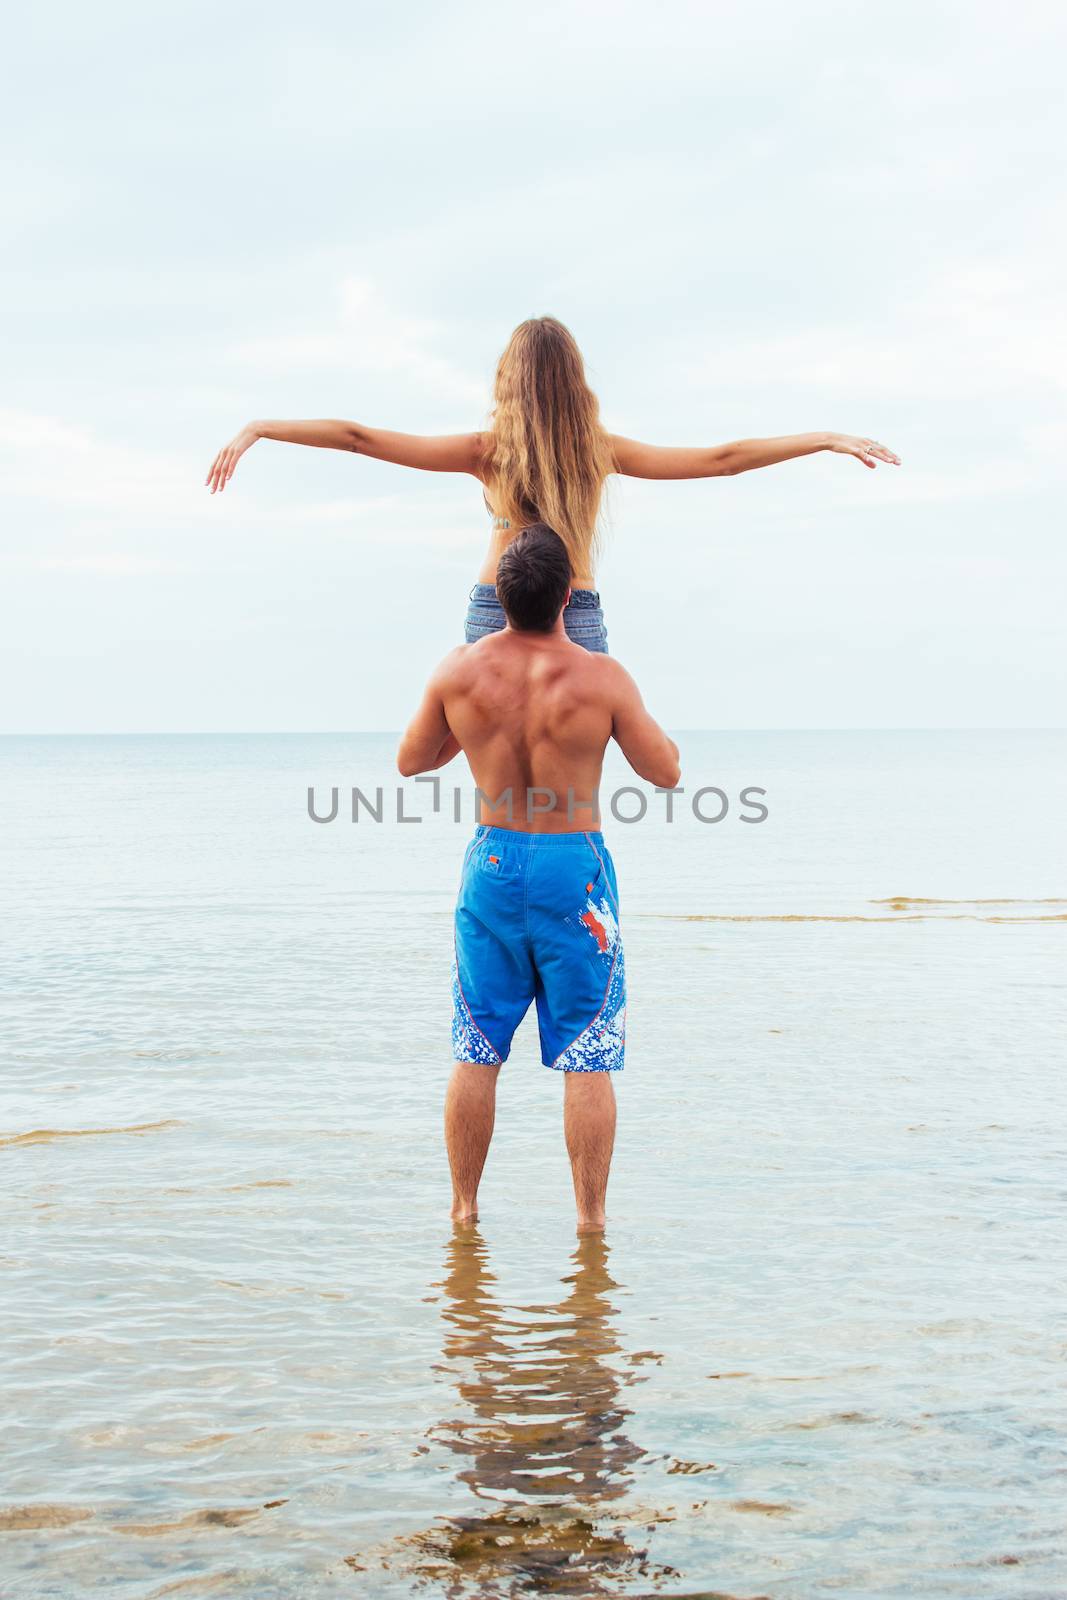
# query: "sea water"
{"type": "Point", "coordinates": [820, 1349]}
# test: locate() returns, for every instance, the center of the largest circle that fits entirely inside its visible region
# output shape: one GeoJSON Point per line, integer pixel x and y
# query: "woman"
{"type": "Point", "coordinates": [544, 458]}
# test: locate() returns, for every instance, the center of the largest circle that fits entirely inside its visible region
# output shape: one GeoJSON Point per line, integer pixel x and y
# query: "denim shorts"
{"type": "Point", "coordinates": [583, 617]}
{"type": "Point", "coordinates": [537, 922]}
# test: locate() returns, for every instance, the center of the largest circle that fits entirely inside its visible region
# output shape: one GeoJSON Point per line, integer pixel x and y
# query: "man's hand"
{"type": "Point", "coordinates": [228, 457]}
{"type": "Point", "coordinates": [429, 742]}
{"type": "Point", "coordinates": [651, 752]}
{"type": "Point", "coordinates": [869, 451]}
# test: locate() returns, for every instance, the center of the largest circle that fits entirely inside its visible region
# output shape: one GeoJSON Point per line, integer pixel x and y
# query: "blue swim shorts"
{"type": "Point", "coordinates": [538, 919]}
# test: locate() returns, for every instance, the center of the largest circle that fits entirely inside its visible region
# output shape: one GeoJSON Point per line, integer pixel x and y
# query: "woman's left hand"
{"type": "Point", "coordinates": [869, 451]}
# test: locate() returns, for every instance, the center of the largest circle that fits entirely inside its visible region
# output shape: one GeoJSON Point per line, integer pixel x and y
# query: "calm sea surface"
{"type": "Point", "coordinates": [821, 1349]}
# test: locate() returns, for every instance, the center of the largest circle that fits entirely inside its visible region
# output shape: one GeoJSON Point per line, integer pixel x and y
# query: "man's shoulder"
{"type": "Point", "coordinates": [598, 677]}
{"type": "Point", "coordinates": [453, 665]}
{"type": "Point", "coordinates": [598, 667]}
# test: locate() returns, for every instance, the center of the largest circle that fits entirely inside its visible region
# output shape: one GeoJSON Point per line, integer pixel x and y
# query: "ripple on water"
{"type": "Point", "coordinates": [820, 1352]}
{"type": "Point", "coordinates": [21, 1519]}
{"type": "Point", "coordinates": [48, 1135]}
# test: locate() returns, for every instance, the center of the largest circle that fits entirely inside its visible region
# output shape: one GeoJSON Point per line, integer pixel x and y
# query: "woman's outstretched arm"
{"type": "Point", "coordinates": [637, 460]}
{"type": "Point", "coordinates": [449, 452]}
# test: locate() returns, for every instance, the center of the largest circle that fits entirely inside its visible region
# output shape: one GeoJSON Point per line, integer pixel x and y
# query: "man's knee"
{"type": "Point", "coordinates": [588, 1082]}
{"type": "Point", "coordinates": [474, 1075]}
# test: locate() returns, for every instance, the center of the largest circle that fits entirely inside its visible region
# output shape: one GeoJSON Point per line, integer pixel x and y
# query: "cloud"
{"type": "Point", "coordinates": [970, 329]}
{"type": "Point", "coordinates": [931, 486]}
{"type": "Point", "coordinates": [108, 564]}
{"type": "Point", "coordinates": [368, 335]}
{"type": "Point", "coordinates": [96, 492]}
{"type": "Point", "coordinates": [58, 463]}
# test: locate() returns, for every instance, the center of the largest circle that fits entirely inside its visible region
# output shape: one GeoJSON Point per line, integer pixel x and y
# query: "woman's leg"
{"type": "Point", "coordinates": [485, 614]}
{"type": "Point", "coordinates": [583, 619]}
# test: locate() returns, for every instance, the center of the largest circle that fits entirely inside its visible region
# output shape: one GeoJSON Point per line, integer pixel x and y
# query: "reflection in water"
{"type": "Point", "coordinates": [546, 1415]}
{"type": "Point", "coordinates": [541, 1434]}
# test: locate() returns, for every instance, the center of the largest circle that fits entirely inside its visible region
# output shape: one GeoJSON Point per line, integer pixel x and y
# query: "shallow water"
{"type": "Point", "coordinates": [820, 1350]}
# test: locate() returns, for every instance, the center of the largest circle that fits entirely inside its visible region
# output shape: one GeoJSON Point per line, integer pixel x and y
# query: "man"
{"type": "Point", "coordinates": [537, 916]}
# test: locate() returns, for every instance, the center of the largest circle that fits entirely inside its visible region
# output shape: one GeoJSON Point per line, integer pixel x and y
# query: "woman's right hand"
{"type": "Point", "coordinates": [869, 451]}
{"type": "Point", "coordinates": [224, 463]}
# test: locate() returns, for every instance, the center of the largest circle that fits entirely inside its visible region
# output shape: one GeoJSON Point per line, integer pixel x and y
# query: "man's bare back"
{"type": "Point", "coordinates": [533, 714]}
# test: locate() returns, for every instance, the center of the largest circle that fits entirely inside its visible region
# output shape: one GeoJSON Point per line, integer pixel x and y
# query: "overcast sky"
{"type": "Point", "coordinates": [755, 219]}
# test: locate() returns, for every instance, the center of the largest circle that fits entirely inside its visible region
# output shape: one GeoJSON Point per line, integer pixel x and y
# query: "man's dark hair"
{"type": "Point", "coordinates": [532, 579]}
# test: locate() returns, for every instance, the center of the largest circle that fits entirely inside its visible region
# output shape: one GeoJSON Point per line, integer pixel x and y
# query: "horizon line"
{"type": "Point", "coordinates": [350, 733]}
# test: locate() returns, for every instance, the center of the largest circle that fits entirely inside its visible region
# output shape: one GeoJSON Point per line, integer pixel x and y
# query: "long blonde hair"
{"type": "Point", "coordinates": [548, 454]}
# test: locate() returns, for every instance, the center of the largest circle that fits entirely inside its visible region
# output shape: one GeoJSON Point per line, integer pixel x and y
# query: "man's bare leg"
{"type": "Point", "coordinates": [470, 1110]}
{"type": "Point", "coordinates": [589, 1128]}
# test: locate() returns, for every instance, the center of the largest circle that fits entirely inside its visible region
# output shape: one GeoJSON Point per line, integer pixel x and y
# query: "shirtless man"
{"type": "Point", "coordinates": [537, 916]}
